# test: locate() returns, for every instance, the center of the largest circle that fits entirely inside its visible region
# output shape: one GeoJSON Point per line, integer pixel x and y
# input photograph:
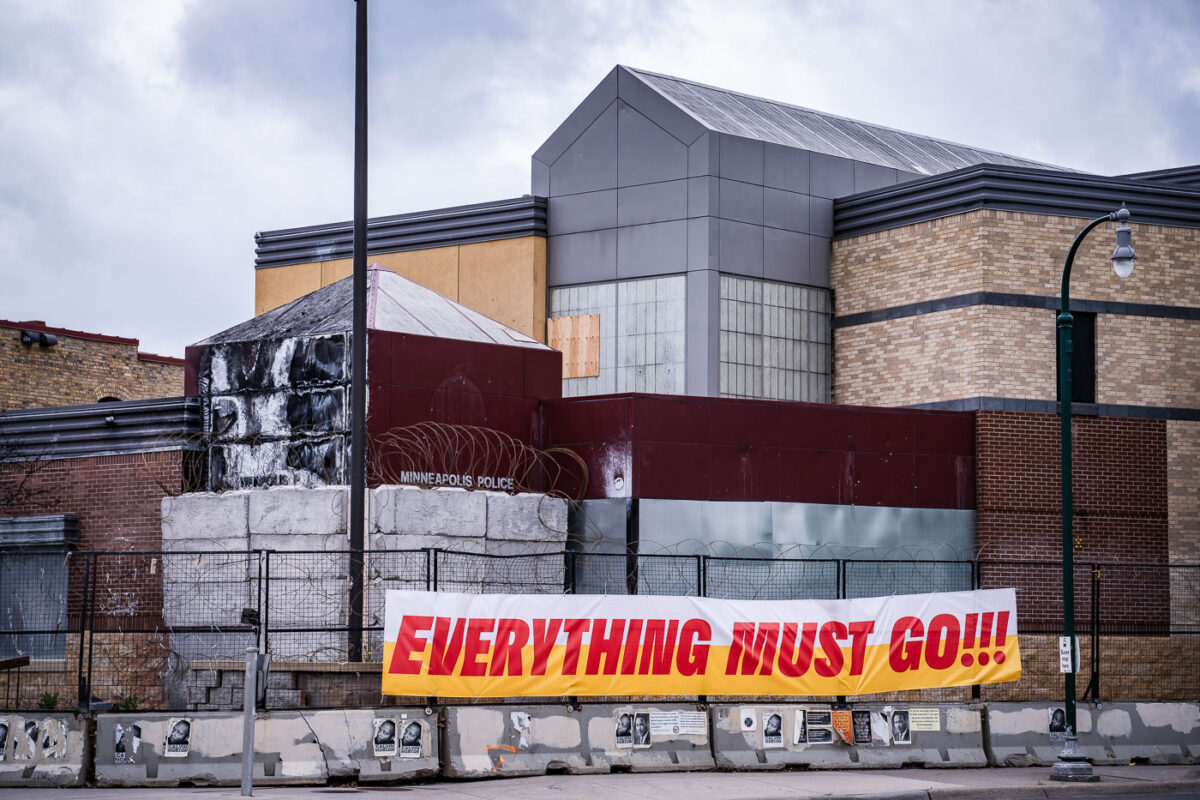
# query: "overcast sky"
{"type": "Point", "coordinates": [144, 142]}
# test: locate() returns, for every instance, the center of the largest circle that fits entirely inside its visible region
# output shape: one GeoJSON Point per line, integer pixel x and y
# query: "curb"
{"type": "Point", "coordinates": [1099, 789]}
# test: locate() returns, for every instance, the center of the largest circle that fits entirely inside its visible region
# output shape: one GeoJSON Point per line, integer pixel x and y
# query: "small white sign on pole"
{"type": "Point", "coordinates": [1064, 653]}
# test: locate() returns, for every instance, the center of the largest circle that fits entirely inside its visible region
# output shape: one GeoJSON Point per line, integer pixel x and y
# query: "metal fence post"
{"type": "Point", "coordinates": [84, 602]}
{"type": "Point", "coordinates": [571, 578]}
{"type": "Point", "coordinates": [1093, 688]}
{"type": "Point", "coordinates": [265, 618]}
{"type": "Point", "coordinates": [976, 689]}
{"type": "Point", "coordinates": [701, 589]}
{"type": "Point", "coordinates": [87, 692]}
{"type": "Point", "coordinates": [841, 579]}
{"type": "Point", "coordinates": [434, 554]}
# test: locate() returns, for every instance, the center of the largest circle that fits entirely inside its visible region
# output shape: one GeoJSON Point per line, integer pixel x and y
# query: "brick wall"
{"type": "Point", "coordinates": [938, 258]}
{"type": "Point", "coordinates": [117, 498]}
{"type": "Point", "coordinates": [998, 351]}
{"type": "Point", "coordinates": [1120, 472]}
{"type": "Point", "coordinates": [1007, 251]}
{"type": "Point", "coordinates": [81, 368]}
{"type": "Point", "coordinates": [1010, 352]}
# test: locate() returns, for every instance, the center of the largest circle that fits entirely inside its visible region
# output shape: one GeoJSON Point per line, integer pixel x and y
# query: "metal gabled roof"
{"type": "Point", "coordinates": [753, 117]}
{"type": "Point", "coordinates": [394, 303]}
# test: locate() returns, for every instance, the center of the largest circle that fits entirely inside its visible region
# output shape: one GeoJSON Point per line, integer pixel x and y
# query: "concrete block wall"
{"type": "Point", "coordinates": [407, 517]}
{"type": "Point", "coordinates": [305, 530]}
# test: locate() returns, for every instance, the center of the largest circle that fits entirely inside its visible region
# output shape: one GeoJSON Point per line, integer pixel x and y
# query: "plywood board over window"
{"type": "Point", "coordinates": [579, 340]}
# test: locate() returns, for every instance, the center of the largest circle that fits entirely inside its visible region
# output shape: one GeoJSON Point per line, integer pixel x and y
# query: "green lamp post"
{"type": "Point", "coordinates": [1071, 764]}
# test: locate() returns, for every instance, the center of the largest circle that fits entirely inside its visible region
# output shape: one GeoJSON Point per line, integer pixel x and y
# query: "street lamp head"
{"type": "Point", "coordinates": [1123, 257]}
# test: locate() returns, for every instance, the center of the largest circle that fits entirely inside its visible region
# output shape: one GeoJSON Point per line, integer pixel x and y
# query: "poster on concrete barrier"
{"type": "Point", "coordinates": [467, 645]}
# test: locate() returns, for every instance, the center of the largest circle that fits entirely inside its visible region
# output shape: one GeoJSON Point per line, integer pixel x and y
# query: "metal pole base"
{"type": "Point", "coordinates": [1072, 765]}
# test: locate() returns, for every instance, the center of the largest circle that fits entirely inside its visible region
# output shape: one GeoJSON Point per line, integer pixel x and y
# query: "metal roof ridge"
{"type": "Point", "coordinates": [831, 115]}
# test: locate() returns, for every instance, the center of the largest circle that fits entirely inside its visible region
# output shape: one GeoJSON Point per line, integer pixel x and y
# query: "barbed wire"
{"type": "Point", "coordinates": [407, 455]}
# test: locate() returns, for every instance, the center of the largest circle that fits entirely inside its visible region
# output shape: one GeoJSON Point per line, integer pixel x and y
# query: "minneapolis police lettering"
{"type": "Point", "coordinates": [462, 645]}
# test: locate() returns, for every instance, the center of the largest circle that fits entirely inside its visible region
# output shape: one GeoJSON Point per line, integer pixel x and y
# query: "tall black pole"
{"type": "Point", "coordinates": [1072, 764]}
{"type": "Point", "coordinates": [358, 368]}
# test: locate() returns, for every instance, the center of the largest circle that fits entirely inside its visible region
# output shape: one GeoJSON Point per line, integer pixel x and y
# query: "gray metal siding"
{"type": "Point", "coordinates": [98, 429]}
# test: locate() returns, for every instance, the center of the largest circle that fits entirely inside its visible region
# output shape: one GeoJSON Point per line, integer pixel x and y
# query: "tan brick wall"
{"type": "Point", "coordinates": [1006, 251]}
{"type": "Point", "coordinates": [939, 258]}
{"type": "Point", "coordinates": [79, 370]}
{"type": "Point", "coordinates": [998, 351]}
{"type": "Point", "coordinates": [1147, 361]}
{"type": "Point", "coordinates": [910, 360]}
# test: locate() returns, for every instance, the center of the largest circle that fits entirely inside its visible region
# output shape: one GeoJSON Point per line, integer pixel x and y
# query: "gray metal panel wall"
{"type": "Point", "coordinates": [98, 429]}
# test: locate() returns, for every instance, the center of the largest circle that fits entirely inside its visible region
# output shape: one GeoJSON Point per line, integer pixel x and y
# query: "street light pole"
{"type": "Point", "coordinates": [1072, 765]}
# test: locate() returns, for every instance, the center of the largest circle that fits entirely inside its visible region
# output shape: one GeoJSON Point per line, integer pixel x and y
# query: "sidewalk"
{"type": "Point", "coordinates": [908, 784]}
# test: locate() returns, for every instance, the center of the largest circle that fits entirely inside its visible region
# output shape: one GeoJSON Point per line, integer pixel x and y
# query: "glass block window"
{"type": "Point", "coordinates": [774, 340]}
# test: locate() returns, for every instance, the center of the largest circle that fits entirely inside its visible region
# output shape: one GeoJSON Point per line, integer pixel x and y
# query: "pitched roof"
{"type": "Point", "coordinates": [752, 117]}
{"type": "Point", "coordinates": [394, 304]}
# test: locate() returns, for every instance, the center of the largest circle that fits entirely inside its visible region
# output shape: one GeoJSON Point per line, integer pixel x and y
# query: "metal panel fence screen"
{"type": "Point", "coordinates": [169, 630]}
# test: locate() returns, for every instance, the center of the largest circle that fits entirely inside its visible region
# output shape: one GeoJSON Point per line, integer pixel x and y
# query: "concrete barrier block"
{"type": "Point", "coordinates": [499, 741]}
{"type": "Point", "coordinates": [291, 558]}
{"type": "Point", "coordinates": [290, 509]}
{"type": "Point", "coordinates": [378, 745]}
{"type": "Point", "coordinates": [439, 512]}
{"type": "Point", "coordinates": [44, 750]}
{"type": "Point", "coordinates": [131, 750]}
{"type": "Point", "coordinates": [416, 541]}
{"type": "Point", "coordinates": [290, 748]}
{"type": "Point", "coordinates": [203, 515]}
{"type": "Point", "coordinates": [526, 517]}
{"type": "Point", "coordinates": [207, 602]}
{"type": "Point", "coordinates": [300, 602]}
{"type": "Point", "coordinates": [381, 509]}
{"type": "Point", "coordinates": [939, 736]}
{"type": "Point", "coordinates": [1110, 734]}
{"type": "Point", "coordinates": [187, 568]}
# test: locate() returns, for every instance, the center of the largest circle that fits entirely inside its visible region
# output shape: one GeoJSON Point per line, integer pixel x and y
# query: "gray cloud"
{"type": "Point", "coordinates": [146, 141]}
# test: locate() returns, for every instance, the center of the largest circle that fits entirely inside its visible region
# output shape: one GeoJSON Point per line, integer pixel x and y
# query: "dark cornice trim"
{"type": "Point", "coordinates": [482, 222]}
{"type": "Point", "coordinates": [1051, 407]}
{"type": "Point", "coordinates": [1014, 301]}
{"type": "Point", "coordinates": [1023, 189]}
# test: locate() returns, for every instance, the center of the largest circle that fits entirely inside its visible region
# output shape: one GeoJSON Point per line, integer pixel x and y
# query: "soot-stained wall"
{"type": "Point", "coordinates": [276, 411]}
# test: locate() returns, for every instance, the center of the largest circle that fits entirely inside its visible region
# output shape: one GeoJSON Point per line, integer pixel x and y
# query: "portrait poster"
{"type": "Point", "coordinates": [772, 729]}
{"type": "Point", "coordinates": [623, 729]}
{"type": "Point", "coordinates": [179, 737]}
{"type": "Point", "coordinates": [383, 742]}
{"type": "Point", "coordinates": [412, 738]}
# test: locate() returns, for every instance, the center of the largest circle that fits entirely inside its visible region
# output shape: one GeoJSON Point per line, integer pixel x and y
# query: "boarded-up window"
{"type": "Point", "coordinates": [579, 340]}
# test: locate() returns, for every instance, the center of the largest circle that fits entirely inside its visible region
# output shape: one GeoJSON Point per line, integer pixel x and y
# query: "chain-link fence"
{"type": "Point", "coordinates": [169, 630]}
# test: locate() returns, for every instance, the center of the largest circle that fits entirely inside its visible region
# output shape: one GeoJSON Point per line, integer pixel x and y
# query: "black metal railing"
{"type": "Point", "coordinates": [167, 629]}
